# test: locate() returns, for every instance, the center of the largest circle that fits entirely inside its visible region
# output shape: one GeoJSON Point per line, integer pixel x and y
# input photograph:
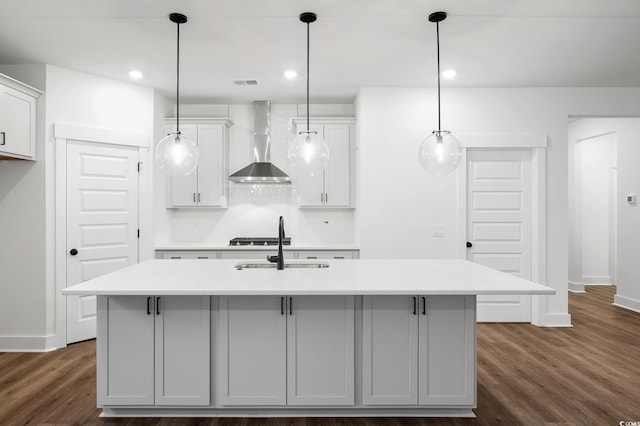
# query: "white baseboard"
{"type": "Point", "coordinates": [576, 287]}
{"type": "Point", "coordinates": [627, 303]}
{"type": "Point", "coordinates": [27, 343]}
{"type": "Point", "coordinates": [555, 320]}
{"type": "Point", "coordinates": [597, 279]}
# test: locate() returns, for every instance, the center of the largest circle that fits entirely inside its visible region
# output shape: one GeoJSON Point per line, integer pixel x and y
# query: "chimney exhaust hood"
{"type": "Point", "coordinates": [261, 170]}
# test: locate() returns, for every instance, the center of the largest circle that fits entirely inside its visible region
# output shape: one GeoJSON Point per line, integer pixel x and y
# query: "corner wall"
{"type": "Point", "coordinates": [627, 133]}
{"type": "Point", "coordinates": [30, 314]}
{"type": "Point", "coordinates": [399, 207]}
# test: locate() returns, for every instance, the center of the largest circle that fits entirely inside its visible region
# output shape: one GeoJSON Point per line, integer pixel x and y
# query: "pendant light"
{"type": "Point", "coordinates": [440, 153]}
{"type": "Point", "coordinates": [177, 155]}
{"type": "Point", "coordinates": [308, 152]}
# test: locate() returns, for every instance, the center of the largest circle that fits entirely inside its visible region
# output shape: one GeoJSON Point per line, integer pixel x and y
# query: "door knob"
{"type": "Point", "coordinates": [73, 252]}
{"type": "Point", "coordinates": [469, 244]}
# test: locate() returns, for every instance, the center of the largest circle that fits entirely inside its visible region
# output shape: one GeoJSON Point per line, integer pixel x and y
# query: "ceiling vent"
{"type": "Point", "coordinates": [245, 82]}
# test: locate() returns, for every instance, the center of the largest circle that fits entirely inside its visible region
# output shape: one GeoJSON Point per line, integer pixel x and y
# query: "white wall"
{"type": "Point", "coordinates": [595, 162]}
{"type": "Point", "coordinates": [398, 207]}
{"type": "Point", "coordinates": [253, 210]}
{"type": "Point", "coordinates": [29, 314]}
{"type": "Point", "coordinates": [23, 312]}
{"type": "Point", "coordinates": [627, 133]}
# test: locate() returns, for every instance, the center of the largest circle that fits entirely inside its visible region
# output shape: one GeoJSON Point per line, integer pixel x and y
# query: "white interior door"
{"type": "Point", "coordinates": [499, 225]}
{"type": "Point", "coordinates": [102, 223]}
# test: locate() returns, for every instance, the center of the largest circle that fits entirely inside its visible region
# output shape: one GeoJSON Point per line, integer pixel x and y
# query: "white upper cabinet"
{"type": "Point", "coordinates": [333, 186]}
{"type": "Point", "coordinates": [17, 120]}
{"type": "Point", "coordinates": [208, 185]}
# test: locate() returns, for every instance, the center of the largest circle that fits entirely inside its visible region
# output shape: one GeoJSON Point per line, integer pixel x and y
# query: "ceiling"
{"type": "Point", "coordinates": [354, 43]}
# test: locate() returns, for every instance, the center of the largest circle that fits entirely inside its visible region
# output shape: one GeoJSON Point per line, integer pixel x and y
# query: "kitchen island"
{"type": "Point", "coordinates": [357, 338]}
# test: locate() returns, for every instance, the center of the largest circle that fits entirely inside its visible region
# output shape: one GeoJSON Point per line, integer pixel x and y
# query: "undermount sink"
{"type": "Point", "coordinates": [241, 266]}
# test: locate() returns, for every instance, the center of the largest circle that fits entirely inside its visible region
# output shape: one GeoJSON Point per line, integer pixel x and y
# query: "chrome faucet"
{"type": "Point", "coordinates": [279, 259]}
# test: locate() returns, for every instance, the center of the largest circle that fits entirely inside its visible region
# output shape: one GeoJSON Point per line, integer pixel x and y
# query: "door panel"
{"type": "Point", "coordinates": [390, 351]}
{"type": "Point", "coordinates": [337, 172]}
{"type": "Point", "coordinates": [252, 351]}
{"type": "Point", "coordinates": [320, 350]}
{"type": "Point", "coordinates": [183, 189]}
{"type": "Point", "coordinates": [311, 188]}
{"type": "Point", "coordinates": [210, 178]}
{"type": "Point", "coordinates": [447, 355]}
{"type": "Point", "coordinates": [102, 222]}
{"type": "Point", "coordinates": [125, 351]}
{"type": "Point", "coordinates": [182, 342]}
{"type": "Point", "coordinates": [499, 225]}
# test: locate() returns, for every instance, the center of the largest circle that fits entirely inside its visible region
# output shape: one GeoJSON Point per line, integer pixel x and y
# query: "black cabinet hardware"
{"type": "Point", "coordinates": [469, 245]}
{"type": "Point", "coordinates": [4, 137]}
{"type": "Point", "coordinates": [158, 305]}
{"type": "Point", "coordinates": [415, 309]}
{"type": "Point", "coordinates": [282, 305]}
{"type": "Point", "coordinates": [149, 305]}
{"type": "Point", "coordinates": [424, 305]}
{"type": "Point", "coordinates": [291, 306]}
{"type": "Point", "coordinates": [73, 252]}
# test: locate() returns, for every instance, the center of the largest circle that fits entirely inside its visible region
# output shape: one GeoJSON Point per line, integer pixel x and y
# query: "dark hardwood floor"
{"type": "Point", "coordinates": [588, 374]}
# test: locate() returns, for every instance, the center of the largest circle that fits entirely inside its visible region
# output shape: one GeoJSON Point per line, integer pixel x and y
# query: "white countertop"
{"type": "Point", "coordinates": [345, 277]}
{"type": "Point", "coordinates": [205, 246]}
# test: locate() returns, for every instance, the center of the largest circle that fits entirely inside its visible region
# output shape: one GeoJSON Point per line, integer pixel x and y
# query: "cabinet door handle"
{"type": "Point", "coordinates": [414, 305]}
{"type": "Point", "coordinates": [312, 257]}
{"type": "Point", "coordinates": [326, 197]}
{"type": "Point", "coordinates": [338, 257]}
{"type": "Point", "coordinates": [291, 306]}
{"type": "Point", "coordinates": [149, 305]}
{"type": "Point", "coordinates": [321, 197]}
{"type": "Point", "coordinates": [4, 137]}
{"type": "Point", "coordinates": [424, 305]}
{"type": "Point", "coordinates": [282, 305]}
{"type": "Point", "coordinates": [194, 197]}
{"type": "Point", "coordinates": [198, 197]}
{"type": "Point", "coordinates": [158, 305]}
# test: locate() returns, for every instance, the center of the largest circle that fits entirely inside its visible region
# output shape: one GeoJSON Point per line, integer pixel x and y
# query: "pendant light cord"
{"type": "Point", "coordinates": [178, 81]}
{"type": "Point", "coordinates": [438, 56]}
{"type": "Point", "coordinates": [308, 77]}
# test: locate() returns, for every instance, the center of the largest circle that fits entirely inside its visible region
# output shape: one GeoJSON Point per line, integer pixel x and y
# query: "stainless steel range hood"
{"type": "Point", "coordinates": [261, 170]}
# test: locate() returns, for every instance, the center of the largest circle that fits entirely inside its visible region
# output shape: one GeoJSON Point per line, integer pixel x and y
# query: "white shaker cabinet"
{"type": "Point", "coordinates": [333, 186]}
{"type": "Point", "coordinates": [320, 350]}
{"type": "Point", "coordinates": [252, 351]}
{"type": "Point", "coordinates": [286, 350]}
{"type": "Point", "coordinates": [419, 350]}
{"type": "Point", "coordinates": [208, 185]}
{"type": "Point", "coordinates": [153, 350]}
{"type": "Point", "coordinates": [17, 119]}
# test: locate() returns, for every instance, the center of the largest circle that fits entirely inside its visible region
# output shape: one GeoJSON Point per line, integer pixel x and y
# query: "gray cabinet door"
{"type": "Point", "coordinates": [182, 336]}
{"type": "Point", "coordinates": [390, 350]}
{"type": "Point", "coordinates": [320, 350]}
{"type": "Point", "coordinates": [251, 357]}
{"type": "Point", "coordinates": [447, 350]}
{"type": "Point", "coordinates": [125, 351]}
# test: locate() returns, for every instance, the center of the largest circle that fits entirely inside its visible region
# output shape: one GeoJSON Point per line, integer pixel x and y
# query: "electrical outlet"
{"type": "Point", "coordinates": [438, 231]}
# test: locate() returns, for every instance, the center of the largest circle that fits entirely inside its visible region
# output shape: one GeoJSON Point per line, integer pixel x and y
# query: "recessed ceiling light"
{"type": "Point", "coordinates": [290, 74]}
{"type": "Point", "coordinates": [449, 74]}
{"type": "Point", "coordinates": [135, 74]}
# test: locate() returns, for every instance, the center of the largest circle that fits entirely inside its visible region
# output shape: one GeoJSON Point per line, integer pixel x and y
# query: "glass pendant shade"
{"type": "Point", "coordinates": [308, 153]}
{"type": "Point", "coordinates": [440, 153]}
{"type": "Point", "coordinates": [177, 155]}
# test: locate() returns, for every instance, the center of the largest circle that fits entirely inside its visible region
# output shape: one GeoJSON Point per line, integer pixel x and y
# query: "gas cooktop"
{"type": "Point", "coordinates": [258, 241]}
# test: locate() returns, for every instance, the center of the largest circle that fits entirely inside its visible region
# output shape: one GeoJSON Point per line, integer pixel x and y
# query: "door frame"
{"type": "Point", "coordinates": [64, 133]}
{"type": "Point", "coordinates": [537, 144]}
